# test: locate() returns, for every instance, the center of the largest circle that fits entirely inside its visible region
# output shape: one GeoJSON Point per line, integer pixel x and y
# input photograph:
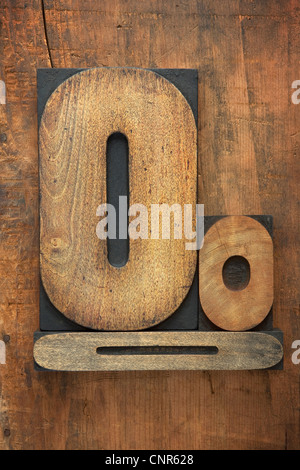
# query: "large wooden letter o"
{"type": "Point", "coordinates": [78, 119]}
{"type": "Point", "coordinates": [236, 309]}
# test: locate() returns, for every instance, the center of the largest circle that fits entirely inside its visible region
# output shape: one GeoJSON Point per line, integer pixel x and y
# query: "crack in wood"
{"type": "Point", "coordinates": [46, 33]}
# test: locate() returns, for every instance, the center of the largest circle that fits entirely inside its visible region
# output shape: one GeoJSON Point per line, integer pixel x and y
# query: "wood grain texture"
{"type": "Point", "coordinates": [78, 351]}
{"type": "Point", "coordinates": [77, 121]}
{"type": "Point", "coordinates": [247, 54]}
{"type": "Point", "coordinates": [236, 310]}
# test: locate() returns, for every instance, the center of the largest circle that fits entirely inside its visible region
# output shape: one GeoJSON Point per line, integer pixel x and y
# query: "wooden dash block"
{"type": "Point", "coordinates": [157, 351]}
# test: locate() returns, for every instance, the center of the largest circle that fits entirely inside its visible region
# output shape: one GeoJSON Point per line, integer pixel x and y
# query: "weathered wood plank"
{"type": "Point", "coordinates": [22, 50]}
{"type": "Point", "coordinates": [247, 54]}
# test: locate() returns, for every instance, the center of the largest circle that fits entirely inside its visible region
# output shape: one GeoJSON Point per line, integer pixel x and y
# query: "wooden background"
{"type": "Point", "coordinates": [247, 54]}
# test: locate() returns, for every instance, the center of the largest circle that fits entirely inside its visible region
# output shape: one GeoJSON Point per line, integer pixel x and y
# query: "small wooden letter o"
{"type": "Point", "coordinates": [236, 310]}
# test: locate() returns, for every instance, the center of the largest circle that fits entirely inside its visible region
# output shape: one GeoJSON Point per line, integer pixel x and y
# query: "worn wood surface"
{"type": "Point", "coordinates": [172, 351]}
{"type": "Point", "coordinates": [247, 54]}
{"type": "Point", "coordinates": [160, 127]}
{"type": "Point", "coordinates": [236, 310]}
